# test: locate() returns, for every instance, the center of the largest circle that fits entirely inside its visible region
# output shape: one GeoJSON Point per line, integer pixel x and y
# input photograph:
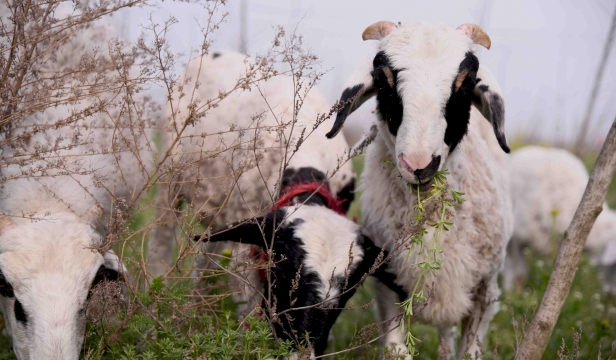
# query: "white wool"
{"type": "Point", "coordinates": [473, 247]}
{"type": "Point", "coordinates": [327, 245]}
{"type": "Point", "coordinates": [251, 195]}
{"type": "Point", "coordinates": [543, 180]}
{"type": "Point", "coordinates": [425, 85]}
{"type": "Point", "coordinates": [428, 57]}
{"type": "Point", "coordinates": [47, 257]}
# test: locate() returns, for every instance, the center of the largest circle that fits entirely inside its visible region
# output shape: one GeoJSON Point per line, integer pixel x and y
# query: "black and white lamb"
{"type": "Point", "coordinates": [245, 129]}
{"type": "Point", "coordinates": [544, 180]}
{"type": "Point", "coordinates": [426, 79]}
{"type": "Point", "coordinates": [319, 259]}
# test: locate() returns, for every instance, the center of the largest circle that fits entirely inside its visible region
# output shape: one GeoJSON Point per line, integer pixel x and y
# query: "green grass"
{"type": "Point", "coordinates": [215, 332]}
{"type": "Point", "coordinates": [587, 307]}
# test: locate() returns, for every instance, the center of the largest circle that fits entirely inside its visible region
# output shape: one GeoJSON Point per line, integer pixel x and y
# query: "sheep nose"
{"type": "Point", "coordinates": [423, 169]}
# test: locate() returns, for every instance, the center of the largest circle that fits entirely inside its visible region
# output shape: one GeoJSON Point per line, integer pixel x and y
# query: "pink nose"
{"type": "Point", "coordinates": [417, 163]}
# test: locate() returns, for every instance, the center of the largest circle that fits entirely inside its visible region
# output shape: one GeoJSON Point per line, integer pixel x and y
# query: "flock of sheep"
{"type": "Point", "coordinates": [437, 109]}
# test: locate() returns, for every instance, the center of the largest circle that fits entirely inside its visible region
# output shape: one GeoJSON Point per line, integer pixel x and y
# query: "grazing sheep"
{"type": "Point", "coordinates": [48, 229]}
{"type": "Point", "coordinates": [547, 186]}
{"type": "Point", "coordinates": [57, 191]}
{"type": "Point", "coordinates": [204, 180]}
{"type": "Point", "coordinates": [324, 248]}
{"type": "Point", "coordinates": [425, 79]}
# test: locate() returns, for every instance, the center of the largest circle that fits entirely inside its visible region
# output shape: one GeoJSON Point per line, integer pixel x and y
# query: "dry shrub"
{"type": "Point", "coordinates": [71, 91]}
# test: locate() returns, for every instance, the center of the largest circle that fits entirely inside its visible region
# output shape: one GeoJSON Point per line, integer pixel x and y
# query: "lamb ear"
{"type": "Point", "coordinates": [488, 100]}
{"type": "Point", "coordinates": [358, 89]}
{"type": "Point", "coordinates": [371, 254]}
{"type": "Point", "coordinates": [252, 232]}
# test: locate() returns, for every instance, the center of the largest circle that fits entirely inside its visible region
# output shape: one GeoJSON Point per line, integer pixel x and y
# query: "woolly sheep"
{"type": "Point", "coordinates": [543, 180]}
{"type": "Point", "coordinates": [50, 211]}
{"type": "Point", "coordinates": [253, 192]}
{"type": "Point", "coordinates": [47, 264]}
{"type": "Point", "coordinates": [325, 249]}
{"type": "Point", "coordinates": [425, 79]}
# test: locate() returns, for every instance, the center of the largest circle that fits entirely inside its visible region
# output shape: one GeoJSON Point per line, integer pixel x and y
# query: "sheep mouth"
{"type": "Point", "coordinates": [422, 187]}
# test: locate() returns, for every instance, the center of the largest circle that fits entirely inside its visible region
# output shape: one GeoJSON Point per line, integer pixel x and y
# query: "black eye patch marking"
{"type": "Point", "coordinates": [389, 102]}
{"type": "Point", "coordinates": [458, 107]}
{"type": "Point", "coordinates": [6, 289]}
{"type": "Point", "coordinates": [20, 313]}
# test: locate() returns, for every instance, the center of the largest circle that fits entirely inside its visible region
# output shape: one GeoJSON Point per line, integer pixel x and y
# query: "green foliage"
{"type": "Point", "coordinates": [438, 193]}
{"type": "Point", "coordinates": [174, 327]}
{"type": "Point", "coordinates": [196, 334]}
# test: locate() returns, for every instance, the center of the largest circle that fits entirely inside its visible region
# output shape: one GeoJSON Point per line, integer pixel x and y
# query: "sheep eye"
{"type": "Point", "coordinates": [6, 289]}
{"type": "Point", "coordinates": [20, 313]}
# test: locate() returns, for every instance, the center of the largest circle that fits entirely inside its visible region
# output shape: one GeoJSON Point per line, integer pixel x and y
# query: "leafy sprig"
{"type": "Point", "coordinates": [445, 198]}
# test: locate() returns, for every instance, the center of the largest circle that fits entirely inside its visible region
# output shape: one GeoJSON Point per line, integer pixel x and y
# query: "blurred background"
{"type": "Point", "coordinates": [545, 54]}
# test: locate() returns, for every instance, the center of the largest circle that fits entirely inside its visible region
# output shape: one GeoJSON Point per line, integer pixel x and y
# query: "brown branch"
{"type": "Point", "coordinates": [536, 339]}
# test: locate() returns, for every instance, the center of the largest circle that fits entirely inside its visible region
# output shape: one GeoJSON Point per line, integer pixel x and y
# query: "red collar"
{"type": "Point", "coordinates": [290, 192]}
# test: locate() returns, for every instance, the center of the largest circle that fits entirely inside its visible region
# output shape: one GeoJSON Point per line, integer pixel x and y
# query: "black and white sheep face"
{"type": "Point", "coordinates": [321, 250]}
{"type": "Point", "coordinates": [46, 273]}
{"type": "Point", "coordinates": [425, 78]}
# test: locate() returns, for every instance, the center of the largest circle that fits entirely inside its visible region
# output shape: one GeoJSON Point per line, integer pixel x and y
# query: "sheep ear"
{"type": "Point", "coordinates": [113, 268]}
{"type": "Point", "coordinates": [252, 232]}
{"type": "Point", "coordinates": [371, 254]}
{"type": "Point", "coordinates": [488, 99]}
{"type": "Point", "coordinates": [358, 89]}
{"type": "Point", "coordinates": [347, 194]}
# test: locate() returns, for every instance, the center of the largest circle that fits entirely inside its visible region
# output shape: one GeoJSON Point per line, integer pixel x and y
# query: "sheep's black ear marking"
{"type": "Point", "coordinates": [359, 90]}
{"type": "Point", "coordinates": [489, 101]}
{"type": "Point", "coordinates": [247, 231]}
{"type": "Point", "coordinates": [347, 193]}
{"type": "Point", "coordinates": [371, 254]}
{"type": "Point", "coordinates": [306, 174]}
{"type": "Point", "coordinates": [105, 274]}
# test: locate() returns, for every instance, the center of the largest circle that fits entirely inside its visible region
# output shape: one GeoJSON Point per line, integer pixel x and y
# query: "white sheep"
{"type": "Point", "coordinates": [257, 118]}
{"type": "Point", "coordinates": [547, 186]}
{"type": "Point", "coordinates": [425, 79]}
{"type": "Point", "coordinates": [47, 235]}
{"type": "Point", "coordinates": [51, 217]}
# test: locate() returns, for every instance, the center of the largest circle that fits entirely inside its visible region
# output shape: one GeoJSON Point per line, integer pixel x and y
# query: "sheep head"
{"type": "Point", "coordinates": [47, 271]}
{"type": "Point", "coordinates": [425, 79]}
{"type": "Point", "coordinates": [311, 246]}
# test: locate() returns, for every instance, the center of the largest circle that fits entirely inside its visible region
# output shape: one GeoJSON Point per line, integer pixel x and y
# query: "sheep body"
{"type": "Point", "coordinates": [52, 207]}
{"type": "Point", "coordinates": [547, 186]}
{"type": "Point", "coordinates": [325, 249]}
{"type": "Point", "coordinates": [254, 191]}
{"type": "Point", "coordinates": [474, 246]}
{"type": "Point", "coordinates": [426, 79]}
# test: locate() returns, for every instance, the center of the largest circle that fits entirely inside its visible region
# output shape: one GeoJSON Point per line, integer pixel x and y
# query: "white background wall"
{"type": "Point", "coordinates": [544, 53]}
